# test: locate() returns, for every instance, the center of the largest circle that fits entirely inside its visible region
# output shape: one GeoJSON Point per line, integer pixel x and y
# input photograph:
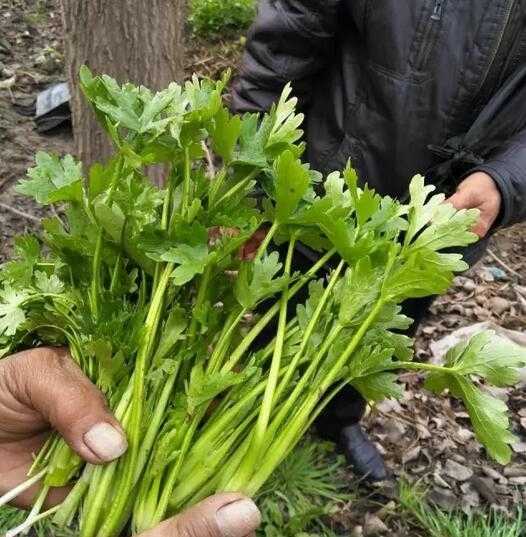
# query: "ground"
{"type": "Point", "coordinates": [422, 437]}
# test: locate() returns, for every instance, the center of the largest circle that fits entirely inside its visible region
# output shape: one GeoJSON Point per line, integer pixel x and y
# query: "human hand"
{"type": "Point", "coordinates": [248, 251]}
{"type": "Point", "coordinates": [479, 191]}
{"type": "Point", "coordinates": [251, 247]}
{"type": "Point", "coordinates": [40, 390]}
{"type": "Point", "coordinates": [43, 389]}
{"type": "Point", "coordinates": [223, 515]}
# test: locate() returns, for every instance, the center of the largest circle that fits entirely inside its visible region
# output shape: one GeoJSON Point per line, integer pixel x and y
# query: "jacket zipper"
{"type": "Point", "coordinates": [437, 10]}
{"type": "Point", "coordinates": [431, 32]}
{"type": "Point", "coordinates": [509, 9]}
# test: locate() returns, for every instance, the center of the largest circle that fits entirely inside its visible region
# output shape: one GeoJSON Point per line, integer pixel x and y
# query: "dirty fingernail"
{"type": "Point", "coordinates": [106, 441]}
{"type": "Point", "coordinates": [238, 519]}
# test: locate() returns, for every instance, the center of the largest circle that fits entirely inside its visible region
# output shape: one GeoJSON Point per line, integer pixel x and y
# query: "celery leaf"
{"type": "Point", "coordinates": [491, 358]}
{"type": "Point", "coordinates": [53, 180]}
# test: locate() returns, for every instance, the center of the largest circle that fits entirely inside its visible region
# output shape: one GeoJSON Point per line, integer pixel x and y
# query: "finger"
{"type": "Point", "coordinates": [464, 200]}
{"type": "Point", "coordinates": [250, 248]}
{"type": "Point", "coordinates": [484, 223]}
{"type": "Point", "coordinates": [461, 200]}
{"type": "Point", "coordinates": [48, 381]}
{"type": "Point", "coordinates": [223, 515]}
{"type": "Point", "coordinates": [12, 477]}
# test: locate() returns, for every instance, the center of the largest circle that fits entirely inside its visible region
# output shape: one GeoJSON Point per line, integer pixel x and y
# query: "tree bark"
{"type": "Point", "coordinates": [131, 40]}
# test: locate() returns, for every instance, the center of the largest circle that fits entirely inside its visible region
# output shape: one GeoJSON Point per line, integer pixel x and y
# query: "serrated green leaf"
{"type": "Point", "coordinates": [252, 139]}
{"type": "Point", "coordinates": [12, 315]}
{"type": "Point", "coordinates": [423, 273]}
{"type": "Point", "coordinates": [154, 105]}
{"type": "Point", "coordinates": [258, 280]}
{"type": "Point", "coordinates": [420, 210]}
{"type": "Point", "coordinates": [204, 387]}
{"type": "Point", "coordinates": [19, 272]}
{"type": "Point", "coordinates": [204, 97]}
{"type": "Point", "coordinates": [359, 293]}
{"type": "Point", "coordinates": [291, 183]}
{"type": "Point", "coordinates": [336, 192]}
{"type": "Point", "coordinates": [53, 180]}
{"type": "Point", "coordinates": [285, 122]}
{"type": "Point", "coordinates": [225, 134]}
{"type": "Point", "coordinates": [172, 332]}
{"type": "Point", "coordinates": [379, 386]}
{"type": "Point", "coordinates": [111, 218]}
{"type": "Point", "coordinates": [488, 356]}
{"type": "Point", "coordinates": [191, 260]}
{"type": "Point", "coordinates": [488, 414]}
{"type": "Point", "coordinates": [366, 205]}
{"type": "Point", "coordinates": [495, 360]}
{"type": "Point", "coordinates": [448, 228]}
{"type": "Point", "coordinates": [48, 284]}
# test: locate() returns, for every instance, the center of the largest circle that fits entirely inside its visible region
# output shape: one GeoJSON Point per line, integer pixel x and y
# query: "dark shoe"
{"type": "Point", "coordinates": [362, 454]}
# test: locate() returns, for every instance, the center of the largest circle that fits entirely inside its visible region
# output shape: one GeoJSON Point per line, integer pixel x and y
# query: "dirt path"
{"type": "Point", "coordinates": [422, 437]}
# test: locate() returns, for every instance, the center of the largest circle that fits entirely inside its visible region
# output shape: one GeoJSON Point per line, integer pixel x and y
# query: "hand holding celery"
{"type": "Point", "coordinates": [146, 287]}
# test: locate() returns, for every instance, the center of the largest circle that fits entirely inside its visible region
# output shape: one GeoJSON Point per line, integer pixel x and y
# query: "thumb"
{"type": "Point", "coordinates": [54, 391]}
{"type": "Point", "coordinates": [223, 515]}
{"type": "Point", "coordinates": [461, 200]}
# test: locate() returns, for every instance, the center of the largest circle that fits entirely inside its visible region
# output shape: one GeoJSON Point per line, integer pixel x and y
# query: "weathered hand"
{"type": "Point", "coordinates": [250, 248]}
{"type": "Point", "coordinates": [223, 515]}
{"type": "Point", "coordinates": [479, 191]}
{"type": "Point", "coordinates": [43, 389]}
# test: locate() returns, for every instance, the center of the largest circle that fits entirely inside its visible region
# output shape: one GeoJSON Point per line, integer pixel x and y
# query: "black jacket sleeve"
{"type": "Point", "coordinates": [290, 41]}
{"type": "Point", "coordinates": [508, 169]}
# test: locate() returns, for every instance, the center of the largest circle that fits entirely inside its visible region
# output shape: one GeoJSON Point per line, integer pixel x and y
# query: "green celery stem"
{"type": "Point", "coordinates": [95, 288]}
{"type": "Point", "coordinates": [128, 472]}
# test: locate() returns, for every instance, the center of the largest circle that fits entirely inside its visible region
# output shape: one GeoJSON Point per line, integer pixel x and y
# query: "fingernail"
{"type": "Point", "coordinates": [238, 519]}
{"type": "Point", "coordinates": [106, 441]}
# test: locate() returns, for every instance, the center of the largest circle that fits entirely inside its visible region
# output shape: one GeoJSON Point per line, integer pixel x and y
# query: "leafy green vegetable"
{"type": "Point", "coordinates": [496, 360]}
{"type": "Point", "coordinates": [53, 180]}
{"type": "Point", "coordinates": [147, 288]}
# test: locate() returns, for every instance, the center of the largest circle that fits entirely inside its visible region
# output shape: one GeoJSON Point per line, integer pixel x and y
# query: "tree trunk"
{"type": "Point", "coordinates": [131, 40]}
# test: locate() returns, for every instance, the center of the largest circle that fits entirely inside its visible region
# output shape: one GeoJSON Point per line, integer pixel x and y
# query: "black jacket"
{"type": "Point", "coordinates": [382, 80]}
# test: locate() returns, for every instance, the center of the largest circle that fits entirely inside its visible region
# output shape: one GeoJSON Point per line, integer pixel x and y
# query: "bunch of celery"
{"type": "Point", "coordinates": [147, 288]}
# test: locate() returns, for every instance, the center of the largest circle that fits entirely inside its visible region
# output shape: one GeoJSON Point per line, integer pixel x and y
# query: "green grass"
{"type": "Point", "coordinates": [436, 523]}
{"type": "Point", "coordinates": [309, 486]}
{"type": "Point", "coordinates": [11, 517]}
{"type": "Point", "coordinates": [38, 14]}
{"type": "Point", "coordinates": [220, 18]}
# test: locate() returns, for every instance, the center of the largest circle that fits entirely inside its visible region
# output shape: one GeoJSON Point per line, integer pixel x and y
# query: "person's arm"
{"type": "Point", "coordinates": [290, 41]}
{"type": "Point", "coordinates": [508, 169]}
{"type": "Point", "coordinates": [497, 188]}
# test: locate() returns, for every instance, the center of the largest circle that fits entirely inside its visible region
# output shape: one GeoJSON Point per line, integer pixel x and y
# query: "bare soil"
{"type": "Point", "coordinates": [423, 438]}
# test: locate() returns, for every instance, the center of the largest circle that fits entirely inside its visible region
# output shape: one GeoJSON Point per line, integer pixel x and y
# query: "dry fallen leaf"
{"type": "Point", "coordinates": [373, 526]}
{"type": "Point", "coordinates": [457, 471]}
{"type": "Point", "coordinates": [8, 83]}
{"type": "Point", "coordinates": [411, 455]}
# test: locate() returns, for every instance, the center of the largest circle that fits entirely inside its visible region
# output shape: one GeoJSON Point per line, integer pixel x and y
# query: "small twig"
{"type": "Point", "coordinates": [8, 83]}
{"type": "Point", "coordinates": [520, 297]}
{"type": "Point", "coordinates": [57, 215]}
{"type": "Point", "coordinates": [209, 161]}
{"type": "Point", "coordinates": [18, 212]}
{"type": "Point", "coordinates": [36, 78]}
{"type": "Point", "coordinates": [202, 61]}
{"type": "Point", "coordinates": [408, 422]}
{"type": "Point", "coordinates": [503, 265]}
